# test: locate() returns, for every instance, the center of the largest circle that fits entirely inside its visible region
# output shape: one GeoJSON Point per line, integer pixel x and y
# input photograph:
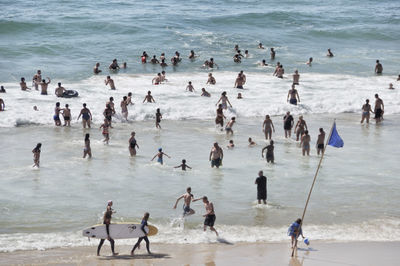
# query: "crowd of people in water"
{"type": "Point", "coordinates": [216, 155]}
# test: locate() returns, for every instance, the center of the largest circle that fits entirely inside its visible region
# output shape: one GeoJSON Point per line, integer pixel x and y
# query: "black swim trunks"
{"type": "Point", "coordinates": [216, 162]}
{"type": "Point", "coordinates": [210, 220]}
{"type": "Point", "coordinates": [378, 113]}
{"type": "Point", "coordinates": [320, 146]}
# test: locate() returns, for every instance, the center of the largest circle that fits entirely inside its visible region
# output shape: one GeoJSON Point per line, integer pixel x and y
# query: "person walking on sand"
{"type": "Point", "coordinates": [160, 155]}
{"type": "Point", "coordinates": [143, 224]}
{"type": "Point", "coordinates": [300, 127]}
{"type": "Point", "coordinates": [106, 132]}
{"type": "Point", "coordinates": [86, 116]}
{"type": "Point", "coordinates": [268, 127]}
{"type": "Point", "coordinates": [261, 182]}
{"type": "Point", "coordinates": [378, 68]}
{"type": "Point", "coordinates": [183, 165]}
{"type": "Point", "coordinates": [305, 143]}
{"type": "Point", "coordinates": [288, 123]}
{"type": "Point", "coordinates": [87, 150]}
{"type": "Point", "coordinates": [224, 100]}
{"type": "Point", "coordinates": [229, 126]}
{"type": "Point", "coordinates": [270, 152]}
{"type": "Point", "coordinates": [133, 144]}
{"type": "Point", "coordinates": [66, 112]}
{"type": "Point", "coordinates": [216, 155]}
{"type": "Point", "coordinates": [107, 221]}
{"type": "Point", "coordinates": [321, 141]}
{"type": "Point", "coordinates": [36, 155]}
{"type": "Point", "coordinates": [294, 96]}
{"type": "Point", "coordinates": [109, 81]}
{"type": "Point", "coordinates": [158, 118]}
{"type": "Point", "coordinates": [187, 199]}
{"type": "Point", "coordinates": [379, 109]}
{"type": "Point", "coordinates": [295, 231]}
{"type": "Point", "coordinates": [148, 98]}
{"type": "Point", "coordinates": [366, 110]}
{"type": "Point", "coordinates": [209, 215]}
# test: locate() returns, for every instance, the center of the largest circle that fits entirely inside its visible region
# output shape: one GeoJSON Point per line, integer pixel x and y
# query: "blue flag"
{"type": "Point", "coordinates": [335, 140]}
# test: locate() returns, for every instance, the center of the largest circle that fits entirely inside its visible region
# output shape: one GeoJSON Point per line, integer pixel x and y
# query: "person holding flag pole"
{"type": "Point", "coordinates": [333, 140]}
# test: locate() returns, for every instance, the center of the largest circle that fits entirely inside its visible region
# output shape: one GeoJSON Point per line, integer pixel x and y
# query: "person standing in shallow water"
{"type": "Point", "coordinates": [86, 116]}
{"type": "Point", "coordinates": [300, 127]}
{"type": "Point", "coordinates": [216, 155]}
{"type": "Point", "coordinates": [378, 67]}
{"type": "Point", "coordinates": [366, 110]}
{"type": "Point", "coordinates": [305, 143]}
{"type": "Point", "coordinates": [158, 118]}
{"type": "Point", "coordinates": [145, 238]}
{"type": "Point", "coordinates": [160, 155]}
{"type": "Point", "coordinates": [379, 109]}
{"type": "Point", "coordinates": [268, 127]}
{"type": "Point", "coordinates": [133, 144]}
{"type": "Point", "coordinates": [288, 122]}
{"type": "Point", "coordinates": [270, 152]}
{"type": "Point", "coordinates": [261, 182]}
{"type": "Point", "coordinates": [36, 155]}
{"type": "Point", "coordinates": [107, 220]}
{"type": "Point", "coordinates": [210, 214]}
{"type": "Point", "coordinates": [321, 141]}
{"type": "Point", "coordinates": [87, 150]}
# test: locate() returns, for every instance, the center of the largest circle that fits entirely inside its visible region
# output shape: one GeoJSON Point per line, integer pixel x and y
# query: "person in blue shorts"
{"type": "Point", "coordinates": [295, 231]}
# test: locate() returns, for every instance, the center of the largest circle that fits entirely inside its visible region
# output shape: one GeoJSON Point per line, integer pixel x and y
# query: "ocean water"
{"type": "Point", "coordinates": [355, 198]}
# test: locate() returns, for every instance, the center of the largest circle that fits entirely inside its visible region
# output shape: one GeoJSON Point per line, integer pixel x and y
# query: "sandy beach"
{"type": "Point", "coordinates": [318, 253]}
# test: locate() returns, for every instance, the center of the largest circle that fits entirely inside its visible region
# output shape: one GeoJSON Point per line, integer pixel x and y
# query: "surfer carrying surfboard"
{"type": "Point", "coordinates": [107, 221]}
{"type": "Point", "coordinates": [145, 238]}
{"type": "Point", "coordinates": [187, 198]}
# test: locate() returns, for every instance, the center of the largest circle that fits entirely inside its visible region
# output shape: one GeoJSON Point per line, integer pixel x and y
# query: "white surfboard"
{"type": "Point", "coordinates": [119, 231]}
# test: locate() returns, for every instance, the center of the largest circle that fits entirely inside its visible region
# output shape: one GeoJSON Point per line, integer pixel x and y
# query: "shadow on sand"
{"type": "Point", "coordinates": [137, 257]}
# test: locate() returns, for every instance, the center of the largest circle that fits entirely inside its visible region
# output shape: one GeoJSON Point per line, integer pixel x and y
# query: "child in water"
{"type": "Point", "coordinates": [158, 118]}
{"type": "Point", "coordinates": [183, 165]}
{"type": "Point", "coordinates": [160, 155]}
{"type": "Point", "coordinates": [106, 134]}
{"type": "Point", "coordinates": [36, 155]}
{"type": "Point", "coordinates": [251, 143]}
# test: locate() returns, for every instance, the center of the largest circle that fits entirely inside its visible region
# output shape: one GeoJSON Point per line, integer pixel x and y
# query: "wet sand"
{"type": "Point", "coordinates": [318, 253]}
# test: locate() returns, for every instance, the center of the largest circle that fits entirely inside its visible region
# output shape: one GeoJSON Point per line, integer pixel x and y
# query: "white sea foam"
{"type": "Point", "coordinates": [376, 230]}
{"type": "Point", "coordinates": [263, 94]}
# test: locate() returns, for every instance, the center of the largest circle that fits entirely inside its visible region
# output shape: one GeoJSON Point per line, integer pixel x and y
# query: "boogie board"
{"type": "Point", "coordinates": [119, 231]}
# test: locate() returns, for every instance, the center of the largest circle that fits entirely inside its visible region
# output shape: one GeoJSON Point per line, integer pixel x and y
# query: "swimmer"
{"type": "Point", "coordinates": [391, 86]}
{"type": "Point", "coordinates": [124, 65]}
{"type": "Point", "coordinates": [187, 200]}
{"type": "Point", "coordinates": [309, 62]}
{"type": "Point", "coordinates": [133, 144]}
{"type": "Point", "coordinates": [288, 123]}
{"type": "Point", "coordinates": [211, 80]}
{"type": "Point", "coordinates": [59, 92]}
{"type": "Point", "coordinates": [160, 155]}
{"type": "Point", "coordinates": [260, 46]}
{"type": "Point", "coordinates": [239, 96]}
{"type": "Point", "coordinates": [205, 93]}
{"type": "Point", "coordinates": [246, 53]}
{"type": "Point", "coordinates": [237, 58]}
{"type": "Point", "coordinates": [237, 47]}
{"type": "Point", "coordinates": [163, 76]}
{"type": "Point", "coordinates": [243, 76]}
{"type": "Point", "coordinates": [148, 98]}
{"type": "Point", "coordinates": [162, 56]}
{"type": "Point", "coordinates": [66, 112]}
{"type": "Point", "coordinates": [124, 107]}
{"type": "Point", "coordinates": [219, 120]}
{"type": "Point", "coordinates": [129, 99]}
{"type": "Point", "coordinates": [398, 78]}
{"type": "Point", "coordinates": [229, 126]}
{"type": "Point", "coordinates": [294, 96]}
{"type": "Point", "coordinates": [2, 90]}
{"type": "Point", "coordinates": [36, 79]}
{"type": "Point", "coordinates": [23, 85]}
{"type": "Point", "coordinates": [142, 226]}
{"type": "Point", "coordinates": [378, 67]}
{"type": "Point", "coordinates": [156, 80]}
{"type": "Point", "coordinates": [320, 141]}
{"type": "Point", "coordinates": [35, 108]}
{"type": "Point", "coordinates": [278, 65]}
{"type": "Point", "coordinates": [163, 64]}
{"type": "Point", "coordinates": [301, 125]}
{"type": "Point", "coordinates": [305, 143]}
{"type": "Point", "coordinates": [114, 65]}
{"type": "Point", "coordinates": [87, 150]}
{"type": "Point", "coordinates": [366, 110]}
{"type": "Point", "coordinates": [263, 63]}
{"type": "Point", "coordinates": [154, 60]}
{"type": "Point", "coordinates": [251, 142]}
{"type": "Point", "coordinates": [224, 100]}
{"type": "Point", "coordinates": [272, 54]}
{"type": "Point", "coordinates": [211, 63]}
{"type": "Point", "coordinates": [56, 116]}
{"type": "Point", "coordinates": [108, 112]}
{"type": "Point", "coordinates": [270, 152]}
{"type": "Point", "coordinates": [216, 155]}
{"type": "Point", "coordinates": [280, 71]}
{"type": "Point", "coordinates": [2, 105]}
{"type": "Point", "coordinates": [96, 69]}
{"type": "Point", "coordinates": [239, 82]}
{"type": "Point", "coordinates": [183, 165]}
{"type": "Point", "coordinates": [192, 55]}
{"type": "Point", "coordinates": [190, 87]}
{"type": "Point", "coordinates": [329, 54]}
{"type": "Point", "coordinates": [36, 155]}
{"type": "Point", "coordinates": [268, 127]}
{"type": "Point", "coordinates": [379, 109]}
{"type": "Point", "coordinates": [158, 118]}
{"type": "Point", "coordinates": [296, 77]}
{"type": "Point", "coordinates": [86, 116]}
{"type": "Point", "coordinates": [111, 103]}
{"type": "Point", "coordinates": [110, 82]}
{"type": "Point", "coordinates": [44, 86]}
{"type": "Point", "coordinates": [105, 132]}
{"type": "Point", "coordinates": [231, 145]}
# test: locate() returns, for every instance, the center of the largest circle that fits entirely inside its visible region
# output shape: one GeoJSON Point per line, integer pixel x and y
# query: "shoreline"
{"type": "Point", "coordinates": [318, 253]}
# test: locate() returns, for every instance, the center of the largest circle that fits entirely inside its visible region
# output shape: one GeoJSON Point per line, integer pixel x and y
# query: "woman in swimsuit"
{"type": "Point", "coordinates": [87, 150]}
{"type": "Point", "coordinates": [224, 99]}
{"type": "Point", "coordinates": [133, 144]}
{"type": "Point", "coordinates": [268, 127]}
{"type": "Point", "coordinates": [300, 127]}
{"type": "Point", "coordinates": [305, 143]}
{"type": "Point", "coordinates": [86, 116]}
{"type": "Point", "coordinates": [105, 133]}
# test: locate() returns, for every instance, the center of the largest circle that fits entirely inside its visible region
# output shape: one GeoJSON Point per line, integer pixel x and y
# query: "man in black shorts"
{"type": "Point", "coordinates": [210, 214]}
{"type": "Point", "coordinates": [288, 122]}
{"type": "Point", "coordinates": [320, 141]}
{"type": "Point", "coordinates": [261, 183]}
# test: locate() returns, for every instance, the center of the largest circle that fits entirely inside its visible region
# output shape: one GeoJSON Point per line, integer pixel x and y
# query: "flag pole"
{"type": "Point", "coordinates": [312, 186]}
